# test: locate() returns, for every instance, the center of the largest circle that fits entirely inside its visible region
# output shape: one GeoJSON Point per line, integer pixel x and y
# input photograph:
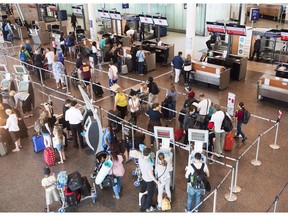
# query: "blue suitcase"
{"type": "Point", "coordinates": [38, 143]}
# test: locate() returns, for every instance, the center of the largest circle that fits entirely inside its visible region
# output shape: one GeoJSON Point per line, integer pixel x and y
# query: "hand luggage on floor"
{"type": "Point", "coordinates": [86, 187]}
{"type": "Point", "coordinates": [124, 69]}
{"type": "Point", "coordinates": [23, 129]}
{"type": "Point", "coordinates": [178, 134]}
{"type": "Point", "coordinates": [229, 141]}
{"type": "Point", "coordinates": [74, 181]}
{"type": "Point", "coordinates": [38, 143]}
{"type": "Point", "coordinates": [165, 112]}
{"type": "Point", "coordinates": [72, 197]}
{"type": "Point", "coordinates": [49, 156]}
{"type": "Point", "coordinates": [97, 89]}
{"type": "Point", "coordinates": [3, 149]}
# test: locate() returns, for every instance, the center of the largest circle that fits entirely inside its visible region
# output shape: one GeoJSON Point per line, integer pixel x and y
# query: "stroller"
{"type": "Point", "coordinates": [100, 159]}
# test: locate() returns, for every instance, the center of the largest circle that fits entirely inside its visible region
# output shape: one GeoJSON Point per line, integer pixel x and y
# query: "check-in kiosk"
{"type": "Point", "coordinates": [24, 83]}
{"type": "Point", "coordinates": [92, 125]}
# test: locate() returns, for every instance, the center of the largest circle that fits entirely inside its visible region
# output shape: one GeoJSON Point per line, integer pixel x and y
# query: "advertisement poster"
{"type": "Point", "coordinates": [231, 103]}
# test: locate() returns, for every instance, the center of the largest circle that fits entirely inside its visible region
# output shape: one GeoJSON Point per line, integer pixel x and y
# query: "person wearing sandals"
{"type": "Point", "coordinates": [58, 143]}
{"type": "Point", "coordinates": [162, 171]}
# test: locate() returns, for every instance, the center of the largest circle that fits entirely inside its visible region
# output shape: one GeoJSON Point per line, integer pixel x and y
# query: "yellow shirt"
{"type": "Point", "coordinates": [122, 102]}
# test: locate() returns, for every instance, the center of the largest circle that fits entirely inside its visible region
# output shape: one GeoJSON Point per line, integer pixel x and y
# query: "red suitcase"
{"type": "Point", "coordinates": [229, 141]}
{"type": "Point", "coordinates": [49, 156]}
{"type": "Point", "coordinates": [178, 134]}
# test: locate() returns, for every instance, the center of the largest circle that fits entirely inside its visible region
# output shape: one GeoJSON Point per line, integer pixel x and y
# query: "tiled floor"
{"type": "Point", "coordinates": [21, 173]}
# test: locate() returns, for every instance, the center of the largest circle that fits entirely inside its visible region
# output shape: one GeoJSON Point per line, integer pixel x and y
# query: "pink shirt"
{"type": "Point", "coordinates": [118, 167]}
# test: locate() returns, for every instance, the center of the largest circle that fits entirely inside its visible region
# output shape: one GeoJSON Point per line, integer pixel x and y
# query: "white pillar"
{"type": "Point", "coordinates": [243, 14]}
{"type": "Point", "coordinates": [92, 11]}
{"type": "Point", "coordinates": [190, 29]}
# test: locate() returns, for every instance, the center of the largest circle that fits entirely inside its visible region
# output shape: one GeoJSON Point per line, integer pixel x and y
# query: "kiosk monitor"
{"type": "Point", "coordinates": [115, 15]}
{"type": "Point", "coordinates": [3, 68]}
{"type": "Point", "coordinates": [104, 14]}
{"type": "Point", "coordinates": [234, 29]}
{"type": "Point", "coordinates": [161, 21]}
{"type": "Point", "coordinates": [284, 35]}
{"type": "Point", "coordinates": [146, 19]}
{"type": "Point", "coordinates": [215, 27]}
{"type": "Point", "coordinates": [19, 69]}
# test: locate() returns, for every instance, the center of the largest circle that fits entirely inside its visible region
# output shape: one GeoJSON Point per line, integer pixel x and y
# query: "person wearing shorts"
{"type": "Point", "coordinates": [58, 142]}
{"type": "Point", "coordinates": [51, 192]}
{"type": "Point", "coordinates": [86, 75]}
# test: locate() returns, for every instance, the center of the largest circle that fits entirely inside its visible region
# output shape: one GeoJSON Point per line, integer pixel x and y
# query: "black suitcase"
{"type": "Point", "coordinates": [23, 129]}
{"type": "Point", "coordinates": [72, 197]}
{"type": "Point", "coordinates": [165, 112]}
{"type": "Point", "coordinates": [98, 91]}
{"type": "Point", "coordinates": [86, 187]}
{"type": "Point", "coordinates": [74, 181]}
{"type": "Point", "coordinates": [129, 64]}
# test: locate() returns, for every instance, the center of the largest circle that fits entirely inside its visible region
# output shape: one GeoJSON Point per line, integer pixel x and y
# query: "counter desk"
{"type": "Point", "coordinates": [282, 71]}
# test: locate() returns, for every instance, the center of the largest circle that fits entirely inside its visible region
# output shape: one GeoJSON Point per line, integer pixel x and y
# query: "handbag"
{"type": "Point", "coordinates": [166, 205]}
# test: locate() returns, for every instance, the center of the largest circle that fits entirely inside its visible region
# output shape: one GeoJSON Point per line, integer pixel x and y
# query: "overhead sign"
{"type": "Point", "coordinates": [254, 14]}
{"type": "Point", "coordinates": [77, 10]}
{"type": "Point", "coordinates": [125, 6]}
{"type": "Point", "coordinates": [215, 27]}
{"type": "Point", "coordinates": [115, 15]}
{"type": "Point", "coordinates": [234, 29]}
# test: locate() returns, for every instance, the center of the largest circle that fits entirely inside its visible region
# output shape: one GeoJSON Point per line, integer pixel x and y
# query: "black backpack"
{"type": "Point", "coordinates": [198, 179]}
{"type": "Point", "coordinates": [154, 88]}
{"type": "Point", "coordinates": [227, 124]}
{"type": "Point", "coordinates": [246, 116]}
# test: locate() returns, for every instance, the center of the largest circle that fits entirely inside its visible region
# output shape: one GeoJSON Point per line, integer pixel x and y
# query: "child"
{"type": "Point", "coordinates": [48, 182]}
{"type": "Point", "coordinates": [54, 45]}
{"type": "Point", "coordinates": [58, 143]}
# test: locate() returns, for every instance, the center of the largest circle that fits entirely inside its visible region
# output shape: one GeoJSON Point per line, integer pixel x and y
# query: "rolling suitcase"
{"type": "Point", "coordinates": [72, 197]}
{"type": "Point", "coordinates": [124, 69]}
{"type": "Point", "coordinates": [165, 112]}
{"type": "Point", "coordinates": [38, 143]}
{"type": "Point", "coordinates": [49, 156]}
{"type": "Point", "coordinates": [86, 187]}
{"type": "Point", "coordinates": [129, 65]}
{"type": "Point", "coordinates": [74, 181]}
{"type": "Point", "coordinates": [178, 134]}
{"type": "Point", "coordinates": [98, 91]}
{"type": "Point", "coordinates": [3, 149]}
{"type": "Point", "coordinates": [229, 141]}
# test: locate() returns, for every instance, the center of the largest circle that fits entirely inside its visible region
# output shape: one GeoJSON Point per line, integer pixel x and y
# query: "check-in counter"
{"type": "Point", "coordinates": [273, 87]}
{"type": "Point", "coordinates": [282, 70]}
{"type": "Point", "coordinates": [211, 74]}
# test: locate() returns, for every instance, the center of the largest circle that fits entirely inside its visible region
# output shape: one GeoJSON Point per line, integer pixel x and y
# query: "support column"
{"type": "Point", "coordinates": [92, 11]}
{"type": "Point", "coordinates": [190, 29]}
{"type": "Point", "coordinates": [243, 14]}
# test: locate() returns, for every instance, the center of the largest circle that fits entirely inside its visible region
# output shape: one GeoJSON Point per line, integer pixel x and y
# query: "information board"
{"type": "Point", "coordinates": [146, 19]}
{"type": "Point", "coordinates": [215, 27]}
{"type": "Point", "coordinates": [196, 135]}
{"type": "Point", "coordinates": [254, 14]}
{"type": "Point", "coordinates": [115, 15]}
{"type": "Point", "coordinates": [234, 29]}
{"type": "Point", "coordinates": [77, 10]}
{"type": "Point", "coordinates": [104, 14]}
{"type": "Point", "coordinates": [162, 21]}
{"type": "Point", "coordinates": [284, 35]}
{"type": "Point", "coordinates": [231, 103]}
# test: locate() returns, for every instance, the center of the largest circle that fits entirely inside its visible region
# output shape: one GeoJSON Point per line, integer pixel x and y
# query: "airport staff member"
{"type": "Point", "coordinates": [74, 117]}
{"type": "Point", "coordinates": [26, 100]}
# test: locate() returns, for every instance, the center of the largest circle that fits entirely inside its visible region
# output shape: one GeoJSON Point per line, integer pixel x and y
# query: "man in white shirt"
{"type": "Point", "coordinates": [49, 56]}
{"type": "Point", "coordinates": [26, 99]}
{"type": "Point", "coordinates": [112, 74]}
{"type": "Point", "coordinates": [74, 117]}
{"type": "Point", "coordinates": [192, 191]}
{"type": "Point", "coordinates": [217, 118]}
{"type": "Point", "coordinates": [13, 128]}
{"type": "Point", "coordinates": [149, 180]}
{"type": "Point", "coordinates": [203, 108]}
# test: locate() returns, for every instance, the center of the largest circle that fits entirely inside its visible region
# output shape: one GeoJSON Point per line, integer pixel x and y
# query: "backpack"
{"type": "Point", "coordinates": [23, 56]}
{"type": "Point", "coordinates": [9, 37]}
{"type": "Point", "coordinates": [246, 116]}
{"type": "Point", "coordinates": [67, 41]}
{"type": "Point", "coordinates": [154, 88]}
{"type": "Point", "coordinates": [6, 28]}
{"type": "Point", "coordinates": [227, 124]}
{"type": "Point", "coordinates": [198, 179]}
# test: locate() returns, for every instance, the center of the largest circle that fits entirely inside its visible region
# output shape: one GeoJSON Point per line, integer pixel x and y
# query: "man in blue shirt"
{"type": "Point", "coordinates": [141, 58]}
{"type": "Point", "coordinates": [177, 63]}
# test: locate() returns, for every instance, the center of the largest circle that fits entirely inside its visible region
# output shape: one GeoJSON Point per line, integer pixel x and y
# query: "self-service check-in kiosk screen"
{"type": "Point", "coordinates": [3, 68]}
{"type": "Point", "coordinates": [146, 19]}
{"type": "Point", "coordinates": [104, 14]}
{"type": "Point", "coordinates": [162, 21]}
{"type": "Point", "coordinates": [19, 69]}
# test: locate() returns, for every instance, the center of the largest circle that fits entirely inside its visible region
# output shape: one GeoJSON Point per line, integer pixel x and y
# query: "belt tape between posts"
{"type": "Point", "coordinates": [69, 76]}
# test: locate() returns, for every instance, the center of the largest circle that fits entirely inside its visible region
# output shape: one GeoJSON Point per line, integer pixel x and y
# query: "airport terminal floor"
{"type": "Point", "coordinates": [21, 172]}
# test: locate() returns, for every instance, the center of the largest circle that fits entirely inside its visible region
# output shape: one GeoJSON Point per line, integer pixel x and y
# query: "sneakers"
{"type": "Point", "coordinates": [16, 150]}
{"type": "Point", "coordinates": [158, 208]}
{"type": "Point", "coordinates": [245, 138]}
{"type": "Point", "coordinates": [151, 209]}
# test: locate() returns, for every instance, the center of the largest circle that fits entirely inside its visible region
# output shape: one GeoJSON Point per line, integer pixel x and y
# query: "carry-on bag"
{"type": "Point", "coordinates": [49, 156]}
{"type": "Point", "coordinates": [72, 197]}
{"type": "Point", "coordinates": [74, 181]}
{"type": "Point", "coordinates": [97, 89]}
{"type": "Point", "coordinates": [3, 149]}
{"type": "Point", "coordinates": [229, 141]}
{"type": "Point", "coordinates": [38, 143]}
{"type": "Point", "coordinates": [86, 187]}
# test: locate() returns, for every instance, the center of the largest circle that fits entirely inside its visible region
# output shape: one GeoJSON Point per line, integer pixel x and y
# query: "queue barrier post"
{"type": "Point", "coordinates": [255, 161]}
{"type": "Point", "coordinates": [215, 200]}
{"type": "Point", "coordinates": [275, 203]}
{"type": "Point", "coordinates": [230, 197]}
{"type": "Point", "coordinates": [275, 145]}
{"type": "Point", "coordinates": [236, 189]}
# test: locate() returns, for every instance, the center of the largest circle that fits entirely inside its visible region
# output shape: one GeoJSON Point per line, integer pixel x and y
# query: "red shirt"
{"type": "Point", "coordinates": [86, 71]}
{"type": "Point", "coordinates": [239, 114]}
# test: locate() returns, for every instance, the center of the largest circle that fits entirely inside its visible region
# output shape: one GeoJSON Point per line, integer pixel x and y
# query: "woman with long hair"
{"type": "Point", "coordinates": [46, 130]}
{"type": "Point", "coordinates": [58, 143]}
{"type": "Point", "coordinates": [240, 116]}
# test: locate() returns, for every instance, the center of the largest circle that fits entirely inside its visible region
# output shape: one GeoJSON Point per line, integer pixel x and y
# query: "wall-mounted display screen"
{"type": "Point", "coordinates": [284, 35]}
{"type": "Point", "coordinates": [215, 27]}
{"type": "Point", "coordinates": [104, 14]}
{"type": "Point", "coordinates": [161, 21]}
{"type": "Point", "coordinates": [146, 19]}
{"type": "Point", "coordinates": [234, 29]}
{"type": "Point", "coordinates": [115, 15]}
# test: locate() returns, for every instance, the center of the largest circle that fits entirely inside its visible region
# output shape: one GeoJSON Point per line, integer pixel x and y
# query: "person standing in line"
{"type": "Point", "coordinates": [149, 180]}
{"type": "Point", "coordinates": [142, 31]}
{"type": "Point", "coordinates": [240, 116]}
{"type": "Point", "coordinates": [117, 169]}
{"type": "Point", "coordinates": [58, 143]}
{"type": "Point", "coordinates": [13, 128]}
{"type": "Point", "coordinates": [155, 116]}
{"type": "Point", "coordinates": [62, 121]}
{"type": "Point", "coordinates": [62, 44]}
{"type": "Point", "coordinates": [171, 92]}
{"type": "Point", "coordinates": [26, 99]}
{"type": "Point", "coordinates": [86, 75]}
{"type": "Point", "coordinates": [141, 58]}
{"type": "Point", "coordinates": [203, 109]}
{"type": "Point", "coordinates": [74, 117]}
{"type": "Point", "coordinates": [94, 53]}
{"type": "Point", "coordinates": [153, 91]}
{"type": "Point", "coordinates": [45, 128]}
{"type": "Point", "coordinates": [162, 171]}
{"type": "Point", "coordinates": [112, 74]}
{"type": "Point", "coordinates": [193, 192]}
{"type": "Point", "coordinates": [49, 56]}
{"type": "Point", "coordinates": [58, 73]}
{"type": "Point", "coordinates": [120, 103]}
{"type": "Point", "coordinates": [54, 45]}
{"type": "Point", "coordinates": [73, 21]}
{"type": "Point", "coordinates": [187, 68]}
{"type": "Point", "coordinates": [203, 57]}
{"type": "Point", "coordinates": [177, 63]}
{"type": "Point", "coordinates": [39, 64]}
{"type": "Point", "coordinates": [256, 50]}
{"type": "Point", "coordinates": [134, 105]}
{"type": "Point", "coordinates": [119, 57]}
{"type": "Point", "coordinates": [217, 118]}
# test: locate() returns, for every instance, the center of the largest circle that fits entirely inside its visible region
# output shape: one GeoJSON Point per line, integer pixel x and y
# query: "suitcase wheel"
{"type": "Point", "coordinates": [136, 183]}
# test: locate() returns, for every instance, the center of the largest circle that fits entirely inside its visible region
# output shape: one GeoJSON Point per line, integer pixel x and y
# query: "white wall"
{"type": "Point", "coordinates": [217, 12]}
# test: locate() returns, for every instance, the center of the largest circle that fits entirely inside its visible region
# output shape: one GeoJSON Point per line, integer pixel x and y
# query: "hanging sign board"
{"type": "Point", "coordinates": [254, 14]}
{"type": "Point", "coordinates": [231, 103]}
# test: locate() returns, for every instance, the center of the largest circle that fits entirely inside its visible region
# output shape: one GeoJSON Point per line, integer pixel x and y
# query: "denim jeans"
{"type": "Point", "coordinates": [117, 187]}
{"type": "Point", "coordinates": [119, 60]}
{"type": "Point", "coordinates": [172, 106]}
{"type": "Point", "coordinates": [140, 67]}
{"type": "Point", "coordinates": [191, 193]}
{"type": "Point", "coordinates": [239, 130]}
